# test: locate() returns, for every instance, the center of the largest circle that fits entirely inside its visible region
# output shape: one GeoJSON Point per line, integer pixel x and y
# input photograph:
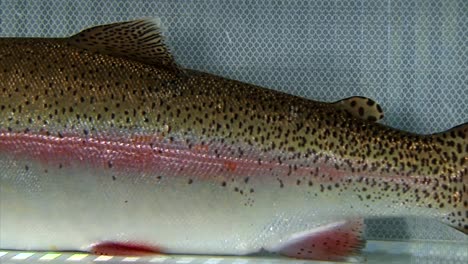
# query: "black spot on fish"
{"type": "Point", "coordinates": [361, 111]}
{"type": "Point", "coordinates": [379, 109]}
{"type": "Point", "coordinates": [281, 183]}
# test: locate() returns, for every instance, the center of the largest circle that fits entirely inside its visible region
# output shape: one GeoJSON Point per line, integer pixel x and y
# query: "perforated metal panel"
{"type": "Point", "coordinates": [410, 55]}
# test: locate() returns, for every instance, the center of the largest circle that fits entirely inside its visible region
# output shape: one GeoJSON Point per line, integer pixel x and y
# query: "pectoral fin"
{"type": "Point", "coordinates": [333, 242]}
{"type": "Point", "coordinates": [361, 107]}
{"type": "Point", "coordinates": [123, 249]}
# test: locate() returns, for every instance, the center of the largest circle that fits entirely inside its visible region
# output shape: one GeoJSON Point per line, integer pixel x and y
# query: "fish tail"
{"type": "Point", "coordinates": [451, 194]}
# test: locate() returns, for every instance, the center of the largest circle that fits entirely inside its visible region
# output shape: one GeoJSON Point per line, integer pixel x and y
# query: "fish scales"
{"type": "Point", "coordinates": [88, 100]}
{"type": "Point", "coordinates": [248, 152]}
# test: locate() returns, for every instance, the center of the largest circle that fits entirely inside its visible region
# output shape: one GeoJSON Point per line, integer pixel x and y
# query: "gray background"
{"type": "Point", "coordinates": [409, 55]}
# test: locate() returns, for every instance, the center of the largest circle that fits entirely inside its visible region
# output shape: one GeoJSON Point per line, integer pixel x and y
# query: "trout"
{"type": "Point", "coordinates": [108, 146]}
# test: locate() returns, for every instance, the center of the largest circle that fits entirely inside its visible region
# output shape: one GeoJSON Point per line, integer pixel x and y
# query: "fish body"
{"type": "Point", "coordinates": [108, 146]}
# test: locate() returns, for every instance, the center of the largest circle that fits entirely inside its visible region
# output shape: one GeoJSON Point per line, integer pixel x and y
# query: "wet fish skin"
{"type": "Point", "coordinates": [243, 166]}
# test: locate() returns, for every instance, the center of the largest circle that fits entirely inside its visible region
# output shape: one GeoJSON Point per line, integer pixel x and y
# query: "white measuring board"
{"type": "Point", "coordinates": [375, 252]}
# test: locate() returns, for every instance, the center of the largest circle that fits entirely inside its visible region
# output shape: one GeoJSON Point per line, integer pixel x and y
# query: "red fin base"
{"type": "Point", "coordinates": [123, 249]}
{"type": "Point", "coordinates": [335, 243]}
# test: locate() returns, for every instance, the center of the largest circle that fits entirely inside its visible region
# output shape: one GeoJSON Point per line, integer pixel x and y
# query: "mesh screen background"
{"type": "Point", "coordinates": [409, 55]}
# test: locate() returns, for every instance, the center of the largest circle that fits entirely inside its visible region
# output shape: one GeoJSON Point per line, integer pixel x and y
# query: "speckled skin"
{"type": "Point", "coordinates": [177, 155]}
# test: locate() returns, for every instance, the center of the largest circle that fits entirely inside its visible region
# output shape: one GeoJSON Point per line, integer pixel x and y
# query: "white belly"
{"type": "Point", "coordinates": [70, 208]}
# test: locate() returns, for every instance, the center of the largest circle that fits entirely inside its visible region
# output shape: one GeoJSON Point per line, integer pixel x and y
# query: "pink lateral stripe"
{"type": "Point", "coordinates": [148, 154]}
{"type": "Point", "coordinates": [161, 158]}
{"type": "Point", "coordinates": [124, 154]}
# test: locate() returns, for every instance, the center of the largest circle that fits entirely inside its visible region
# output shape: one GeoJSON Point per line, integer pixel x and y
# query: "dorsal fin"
{"type": "Point", "coordinates": [361, 107]}
{"type": "Point", "coordinates": [138, 40]}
